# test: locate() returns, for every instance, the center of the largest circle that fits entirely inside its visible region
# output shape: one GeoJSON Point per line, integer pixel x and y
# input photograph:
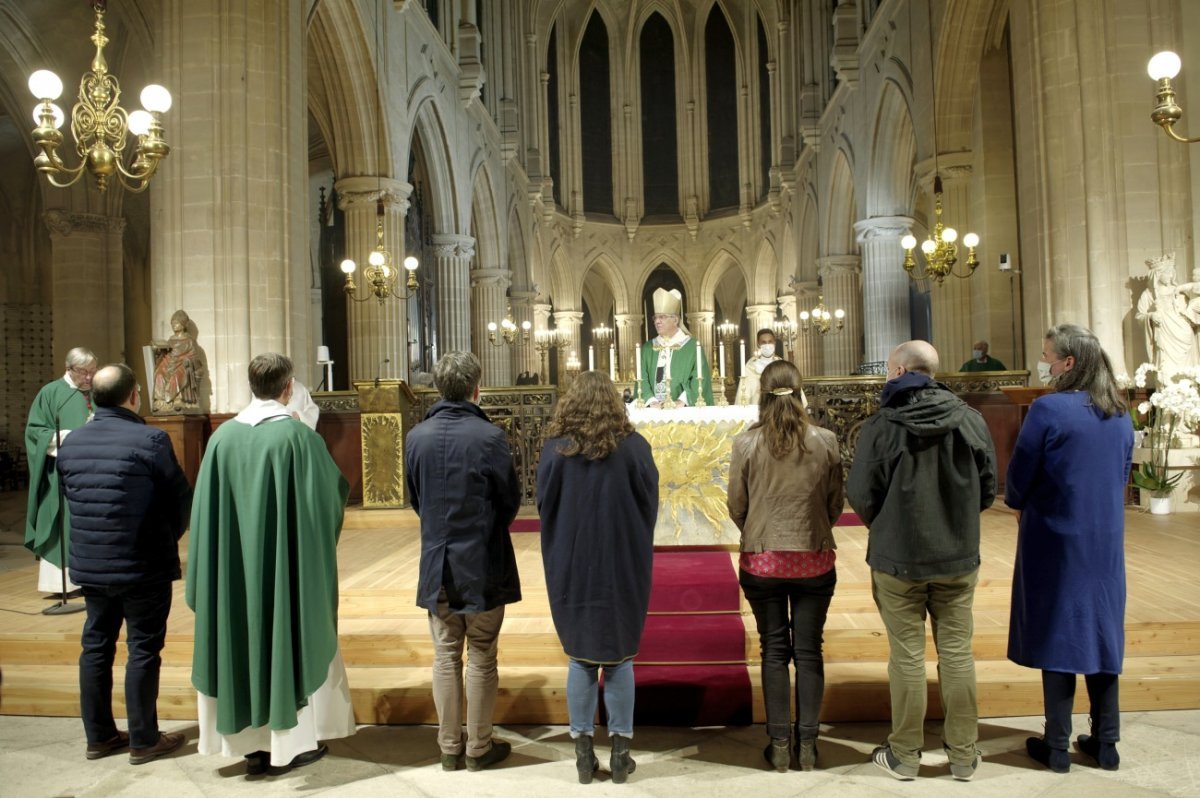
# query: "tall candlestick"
{"type": "Point", "coordinates": [743, 361]}
{"type": "Point", "coordinates": [721, 358]}
{"type": "Point", "coordinates": [591, 358]}
{"type": "Point", "coordinates": [612, 362]}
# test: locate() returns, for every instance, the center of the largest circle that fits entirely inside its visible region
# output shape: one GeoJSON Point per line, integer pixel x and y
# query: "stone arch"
{"type": "Point", "coordinates": [563, 292]}
{"type": "Point", "coordinates": [484, 224]}
{"type": "Point", "coordinates": [960, 38]}
{"type": "Point", "coordinates": [721, 261]}
{"type": "Point", "coordinates": [767, 268]}
{"type": "Point", "coordinates": [671, 259]}
{"type": "Point", "coordinates": [839, 224]}
{"type": "Point", "coordinates": [427, 123]}
{"type": "Point", "coordinates": [605, 267]}
{"type": "Point", "coordinates": [892, 185]}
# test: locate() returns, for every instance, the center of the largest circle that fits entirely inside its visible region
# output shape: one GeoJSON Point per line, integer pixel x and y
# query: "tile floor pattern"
{"type": "Point", "coordinates": [1160, 756]}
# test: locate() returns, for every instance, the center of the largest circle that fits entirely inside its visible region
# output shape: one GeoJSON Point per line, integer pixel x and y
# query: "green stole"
{"type": "Point", "coordinates": [683, 373]}
{"type": "Point", "coordinates": [262, 571]}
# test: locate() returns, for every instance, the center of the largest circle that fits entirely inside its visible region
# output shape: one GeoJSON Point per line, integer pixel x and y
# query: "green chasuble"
{"type": "Point", "coordinates": [41, 512]}
{"type": "Point", "coordinates": [683, 373]}
{"type": "Point", "coordinates": [262, 571]}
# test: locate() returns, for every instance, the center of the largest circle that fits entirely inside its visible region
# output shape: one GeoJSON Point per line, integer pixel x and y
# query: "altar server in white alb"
{"type": "Point", "coordinates": [764, 355]}
{"type": "Point", "coordinates": [673, 371]}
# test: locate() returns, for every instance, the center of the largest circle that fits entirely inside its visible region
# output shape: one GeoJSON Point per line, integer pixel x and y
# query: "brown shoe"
{"type": "Point", "coordinates": [101, 750]}
{"type": "Point", "coordinates": [165, 745]}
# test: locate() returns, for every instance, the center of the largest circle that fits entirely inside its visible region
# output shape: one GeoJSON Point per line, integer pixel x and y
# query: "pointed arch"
{"type": "Point", "coordinates": [839, 230]}
{"type": "Point", "coordinates": [427, 124]}
{"type": "Point", "coordinates": [892, 185]}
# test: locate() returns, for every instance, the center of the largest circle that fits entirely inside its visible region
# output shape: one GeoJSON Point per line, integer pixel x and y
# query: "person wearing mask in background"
{"type": "Point", "coordinates": [981, 360]}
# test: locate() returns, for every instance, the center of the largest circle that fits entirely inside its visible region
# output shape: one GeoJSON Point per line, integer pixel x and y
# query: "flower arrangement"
{"type": "Point", "coordinates": [1174, 410]}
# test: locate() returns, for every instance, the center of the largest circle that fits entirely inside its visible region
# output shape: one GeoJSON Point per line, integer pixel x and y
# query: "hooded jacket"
{"type": "Point", "coordinates": [924, 469]}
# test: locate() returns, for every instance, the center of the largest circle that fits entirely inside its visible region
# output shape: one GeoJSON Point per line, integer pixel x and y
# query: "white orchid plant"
{"type": "Point", "coordinates": [1174, 409]}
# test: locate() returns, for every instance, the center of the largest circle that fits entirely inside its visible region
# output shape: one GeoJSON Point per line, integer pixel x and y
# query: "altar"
{"type": "Point", "coordinates": [692, 447]}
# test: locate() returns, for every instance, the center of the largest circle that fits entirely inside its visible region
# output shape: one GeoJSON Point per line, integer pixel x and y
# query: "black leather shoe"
{"type": "Point", "coordinates": [257, 763]}
{"type": "Point", "coordinates": [586, 763]}
{"type": "Point", "coordinates": [1105, 754]}
{"type": "Point", "coordinates": [1057, 760]}
{"type": "Point", "coordinates": [308, 757]}
{"type": "Point", "coordinates": [497, 753]}
{"type": "Point", "coordinates": [778, 754]}
{"type": "Point", "coordinates": [619, 760]}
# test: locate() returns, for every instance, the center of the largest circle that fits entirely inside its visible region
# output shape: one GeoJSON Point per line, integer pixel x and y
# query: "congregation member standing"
{"type": "Point", "coordinates": [462, 484]}
{"type": "Point", "coordinates": [1066, 480]}
{"type": "Point", "coordinates": [262, 579]}
{"type": "Point", "coordinates": [598, 501]}
{"type": "Point", "coordinates": [63, 405]}
{"type": "Point", "coordinates": [785, 494]}
{"type": "Point", "coordinates": [129, 503]}
{"type": "Point", "coordinates": [923, 471]}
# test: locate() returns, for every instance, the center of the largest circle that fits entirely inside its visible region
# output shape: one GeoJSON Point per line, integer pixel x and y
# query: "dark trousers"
{"type": "Point", "coordinates": [143, 609]}
{"type": "Point", "coordinates": [1058, 691]}
{"type": "Point", "coordinates": [790, 614]}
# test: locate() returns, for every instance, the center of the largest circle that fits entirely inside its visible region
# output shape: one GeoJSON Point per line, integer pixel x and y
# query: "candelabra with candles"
{"type": "Point", "coordinates": [785, 333]}
{"type": "Point", "coordinates": [727, 333]}
{"type": "Point", "coordinates": [507, 333]}
{"type": "Point", "coordinates": [604, 336]}
{"type": "Point", "coordinates": [546, 340]}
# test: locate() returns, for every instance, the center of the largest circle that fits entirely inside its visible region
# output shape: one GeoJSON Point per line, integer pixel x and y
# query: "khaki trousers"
{"type": "Point", "coordinates": [903, 606]}
{"type": "Point", "coordinates": [480, 631]}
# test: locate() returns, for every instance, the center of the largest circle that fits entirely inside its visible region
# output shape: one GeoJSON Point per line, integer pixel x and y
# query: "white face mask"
{"type": "Point", "coordinates": [977, 354]}
{"type": "Point", "coordinates": [766, 350]}
{"type": "Point", "coordinates": [1044, 373]}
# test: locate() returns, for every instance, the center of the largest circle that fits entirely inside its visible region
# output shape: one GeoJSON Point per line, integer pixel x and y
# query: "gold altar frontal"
{"type": "Point", "coordinates": [692, 446]}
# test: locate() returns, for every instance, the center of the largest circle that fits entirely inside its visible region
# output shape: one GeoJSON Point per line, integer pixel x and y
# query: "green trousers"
{"type": "Point", "coordinates": [903, 606]}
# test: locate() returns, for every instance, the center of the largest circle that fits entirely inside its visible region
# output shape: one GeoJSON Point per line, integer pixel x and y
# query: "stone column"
{"type": "Point", "coordinates": [629, 339]}
{"type": "Point", "coordinates": [700, 324]}
{"type": "Point", "coordinates": [489, 293]}
{"type": "Point", "coordinates": [570, 322]}
{"type": "Point", "coordinates": [842, 277]}
{"type": "Point", "coordinates": [760, 317]}
{"type": "Point", "coordinates": [525, 357]}
{"type": "Point", "coordinates": [229, 222]}
{"type": "Point", "coordinates": [886, 320]}
{"type": "Point", "coordinates": [377, 334]}
{"type": "Point", "coordinates": [809, 346]}
{"type": "Point", "coordinates": [453, 254]}
{"type": "Point", "coordinates": [88, 275]}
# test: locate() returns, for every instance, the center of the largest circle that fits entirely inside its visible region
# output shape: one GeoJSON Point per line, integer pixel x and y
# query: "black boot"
{"type": "Point", "coordinates": [585, 758]}
{"type": "Point", "coordinates": [619, 761]}
{"type": "Point", "coordinates": [778, 754]}
{"type": "Point", "coordinates": [1105, 754]}
{"type": "Point", "coordinates": [1057, 760]}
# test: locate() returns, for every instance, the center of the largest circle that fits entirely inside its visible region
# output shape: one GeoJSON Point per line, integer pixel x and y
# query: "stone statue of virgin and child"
{"type": "Point", "coordinates": [1170, 312]}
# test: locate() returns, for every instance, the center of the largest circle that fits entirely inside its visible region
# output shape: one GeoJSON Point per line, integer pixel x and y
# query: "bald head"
{"type": "Point", "coordinates": [115, 386]}
{"type": "Point", "coordinates": [917, 356]}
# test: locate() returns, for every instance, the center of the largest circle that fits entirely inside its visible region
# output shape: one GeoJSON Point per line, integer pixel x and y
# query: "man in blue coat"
{"type": "Point", "coordinates": [462, 484]}
{"type": "Point", "coordinates": [129, 503]}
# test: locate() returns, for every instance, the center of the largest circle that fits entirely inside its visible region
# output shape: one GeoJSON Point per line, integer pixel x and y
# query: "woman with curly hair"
{"type": "Point", "coordinates": [598, 500]}
{"type": "Point", "coordinates": [785, 493]}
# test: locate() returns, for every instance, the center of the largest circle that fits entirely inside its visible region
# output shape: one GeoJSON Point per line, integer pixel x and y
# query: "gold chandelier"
{"type": "Point", "coordinates": [820, 321]}
{"type": "Point", "coordinates": [380, 274]}
{"type": "Point", "coordinates": [1163, 67]}
{"type": "Point", "coordinates": [99, 124]}
{"type": "Point", "coordinates": [508, 331]}
{"type": "Point", "coordinates": [940, 248]}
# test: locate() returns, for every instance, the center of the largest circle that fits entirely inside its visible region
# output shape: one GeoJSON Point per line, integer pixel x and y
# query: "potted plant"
{"type": "Point", "coordinates": [1174, 410]}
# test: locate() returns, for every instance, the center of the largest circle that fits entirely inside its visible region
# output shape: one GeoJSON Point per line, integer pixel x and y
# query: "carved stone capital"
{"type": "Point", "coordinates": [497, 278]}
{"type": "Point", "coordinates": [64, 223]}
{"type": "Point", "coordinates": [452, 245]}
{"type": "Point", "coordinates": [882, 227]}
{"type": "Point", "coordinates": [834, 265]}
{"type": "Point", "coordinates": [362, 193]}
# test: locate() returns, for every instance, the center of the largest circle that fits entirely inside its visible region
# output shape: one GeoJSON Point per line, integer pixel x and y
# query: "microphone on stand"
{"type": "Point", "coordinates": [379, 370]}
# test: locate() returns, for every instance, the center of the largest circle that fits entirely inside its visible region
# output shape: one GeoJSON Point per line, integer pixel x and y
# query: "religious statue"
{"type": "Point", "coordinates": [1172, 321]}
{"type": "Point", "coordinates": [177, 369]}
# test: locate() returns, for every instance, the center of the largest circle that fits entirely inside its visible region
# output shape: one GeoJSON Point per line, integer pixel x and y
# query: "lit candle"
{"type": "Point", "coordinates": [721, 358]}
{"type": "Point", "coordinates": [743, 345]}
{"type": "Point", "coordinates": [591, 358]}
{"type": "Point", "coordinates": [612, 362]}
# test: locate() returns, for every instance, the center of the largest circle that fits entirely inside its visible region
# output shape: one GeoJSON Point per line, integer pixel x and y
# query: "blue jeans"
{"type": "Point", "coordinates": [582, 695]}
{"type": "Point", "coordinates": [143, 609]}
{"type": "Point", "coordinates": [790, 615]}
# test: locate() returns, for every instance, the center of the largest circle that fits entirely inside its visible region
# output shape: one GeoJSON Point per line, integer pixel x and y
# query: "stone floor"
{"type": "Point", "coordinates": [1160, 756]}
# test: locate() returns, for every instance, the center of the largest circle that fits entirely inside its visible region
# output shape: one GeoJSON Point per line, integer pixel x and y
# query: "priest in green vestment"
{"type": "Point", "coordinates": [672, 369]}
{"type": "Point", "coordinates": [262, 580]}
{"type": "Point", "coordinates": [65, 404]}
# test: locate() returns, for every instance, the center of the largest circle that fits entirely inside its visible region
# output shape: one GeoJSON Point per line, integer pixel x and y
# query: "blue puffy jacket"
{"type": "Point", "coordinates": [129, 500]}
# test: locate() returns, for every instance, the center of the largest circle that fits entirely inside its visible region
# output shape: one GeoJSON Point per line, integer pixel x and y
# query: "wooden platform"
{"type": "Point", "coordinates": [385, 637]}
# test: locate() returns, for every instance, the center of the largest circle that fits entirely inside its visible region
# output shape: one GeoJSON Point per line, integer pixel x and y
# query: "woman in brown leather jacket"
{"type": "Point", "coordinates": [785, 493]}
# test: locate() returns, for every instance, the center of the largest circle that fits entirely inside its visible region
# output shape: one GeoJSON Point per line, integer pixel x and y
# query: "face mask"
{"type": "Point", "coordinates": [766, 350]}
{"type": "Point", "coordinates": [977, 354]}
{"type": "Point", "coordinates": [1044, 373]}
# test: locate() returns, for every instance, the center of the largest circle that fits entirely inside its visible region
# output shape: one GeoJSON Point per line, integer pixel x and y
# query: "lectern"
{"type": "Point", "coordinates": [384, 407]}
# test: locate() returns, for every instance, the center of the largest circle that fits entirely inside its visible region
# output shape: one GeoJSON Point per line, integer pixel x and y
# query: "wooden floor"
{"type": "Point", "coordinates": [385, 637]}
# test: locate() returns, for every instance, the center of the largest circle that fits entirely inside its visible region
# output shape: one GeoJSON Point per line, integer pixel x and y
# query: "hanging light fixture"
{"type": "Point", "coordinates": [508, 331]}
{"type": "Point", "coordinates": [940, 248]}
{"type": "Point", "coordinates": [820, 321]}
{"type": "Point", "coordinates": [101, 127]}
{"type": "Point", "coordinates": [380, 274]}
{"type": "Point", "coordinates": [1163, 67]}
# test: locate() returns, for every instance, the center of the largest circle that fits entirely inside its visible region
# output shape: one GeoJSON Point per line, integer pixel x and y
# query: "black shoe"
{"type": "Point", "coordinates": [1105, 754]}
{"type": "Point", "coordinates": [1056, 759]}
{"type": "Point", "coordinates": [308, 757]}
{"type": "Point", "coordinates": [585, 758]}
{"type": "Point", "coordinates": [777, 754]}
{"type": "Point", "coordinates": [619, 761]}
{"type": "Point", "coordinates": [257, 763]}
{"type": "Point", "coordinates": [452, 762]}
{"type": "Point", "coordinates": [497, 753]}
{"type": "Point", "coordinates": [806, 754]}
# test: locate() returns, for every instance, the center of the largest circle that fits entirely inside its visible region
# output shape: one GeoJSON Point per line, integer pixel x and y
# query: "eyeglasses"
{"type": "Point", "coordinates": [82, 372]}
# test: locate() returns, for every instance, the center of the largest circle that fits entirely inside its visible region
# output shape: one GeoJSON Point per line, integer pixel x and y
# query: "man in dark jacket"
{"type": "Point", "coordinates": [129, 503]}
{"type": "Point", "coordinates": [462, 484]}
{"type": "Point", "coordinates": [923, 471]}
